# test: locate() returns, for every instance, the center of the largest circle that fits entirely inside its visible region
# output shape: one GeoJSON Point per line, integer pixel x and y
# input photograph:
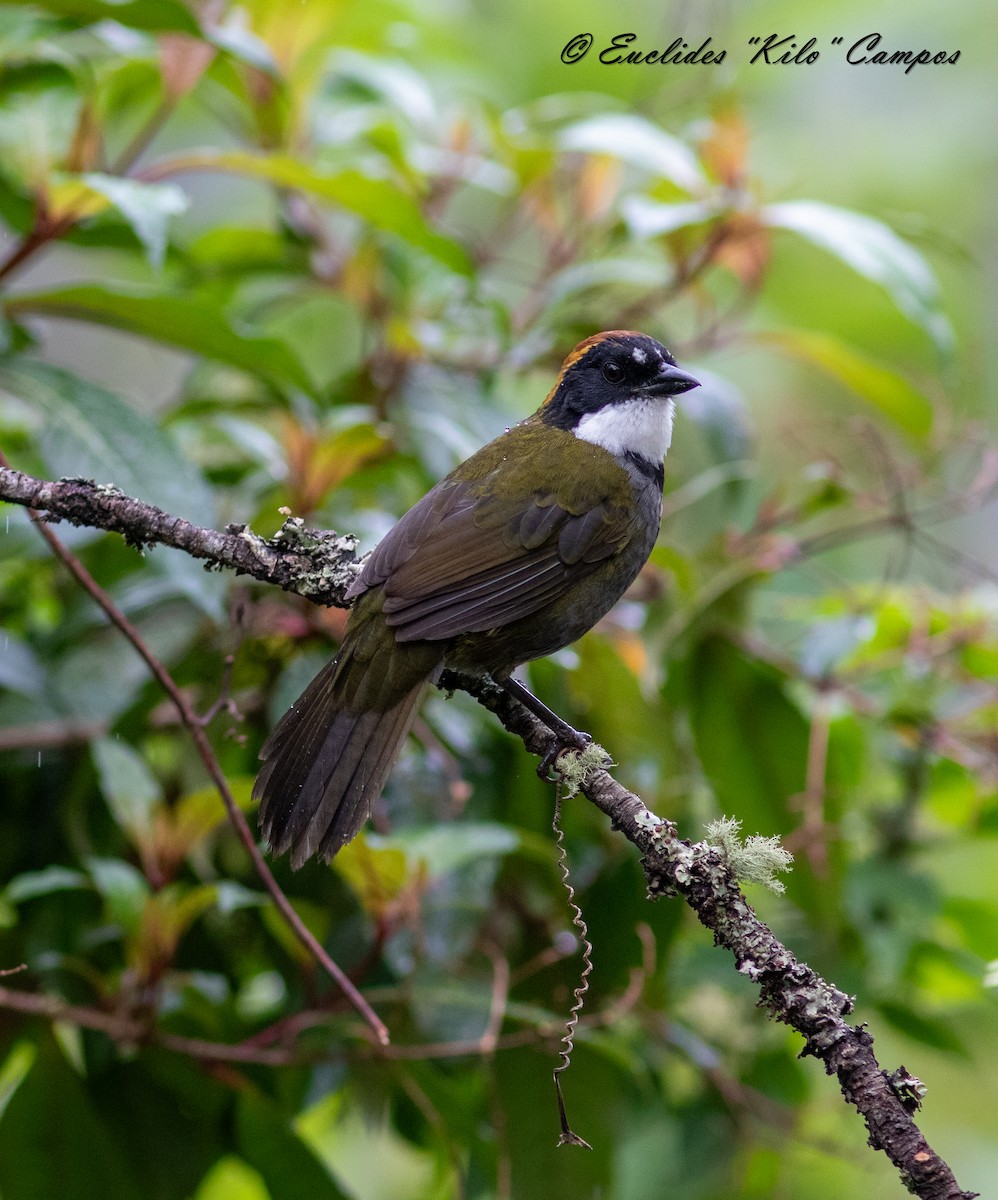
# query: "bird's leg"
{"type": "Point", "coordinates": [560, 728]}
{"type": "Point", "coordinates": [566, 735]}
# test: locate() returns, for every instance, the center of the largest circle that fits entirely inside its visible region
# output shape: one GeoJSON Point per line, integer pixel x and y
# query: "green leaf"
{"type": "Point", "coordinates": [379, 202]}
{"type": "Point", "coordinates": [20, 670]}
{"type": "Point", "coordinates": [392, 80]}
{"type": "Point", "coordinates": [130, 788]}
{"type": "Point", "coordinates": [165, 15]}
{"type": "Point", "coordinates": [371, 1157]}
{"type": "Point", "coordinates": [648, 218]}
{"type": "Point", "coordinates": [305, 325]}
{"type": "Point", "coordinates": [123, 888]}
{"type": "Point", "coordinates": [930, 1031]}
{"type": "Point", "coordinates": [14, 1069]}
{"type": "Point", "coordinates": [977, 921]}
{"type": "Point", "coordinates": [147, 207]}
{"type": "Point", "coordinates": [243, 44]}
{"type": "Point", "coordinates": [290, 1168]}
{"type": "Point", "coordinates": [638, 142]}
{"type": "Point", "coordinates": [751, 738]}
{"type": "Point", "coordinates": [231, 896]}
{"type": "Point", "coordinates": [376, 873]}
{"type": "Point", "coordinates": [92, 433]}
{"type": "Point", "coordinates": [827, 643]}
{"type": "Point", "coordinates": [39, 110]}
{"type": "Point", "coordinates": [186, 322]}
{"type": "Point", "coordinates": [52, 1143]}
{"type": "Point", "coordinates": [231, 1179]}
{"type": "Point", "coordinates": [873, 250]}
{"type": "Point", "coordinates": [885, 390]}
{"type": "Point", "coordinates": [642, 274]}
{"type": "Point", "coordinates": [44, 883]}
{"type": "Point", "coordinates": [445, 848]}
{"type": "Point", "coordinates": [99, 677]}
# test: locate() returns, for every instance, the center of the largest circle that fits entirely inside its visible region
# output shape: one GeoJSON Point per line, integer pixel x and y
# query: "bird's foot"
{"type": "Point", "coordinates": [577, 742]}
{"type": "Point", "coordinates": [567, 738]}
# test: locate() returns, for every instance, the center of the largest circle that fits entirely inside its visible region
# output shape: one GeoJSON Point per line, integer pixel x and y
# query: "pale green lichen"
{"type": "Point", "coordinates": [753, 860]}
{"type": "Point", "coordinates": [574, 767]}
{"type": "Point", "coordinates": [332, 555]}
{"type": "Point", "coordinates": [645, 819]}
{"type": "Point", "coordinates": [909, 1089]}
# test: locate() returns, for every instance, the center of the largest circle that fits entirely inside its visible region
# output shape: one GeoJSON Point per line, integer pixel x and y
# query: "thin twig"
{"type": "Point", "coordinates": [144, 137]}
{"type": "Point", "coordinates": [810, 836]}
{"type": "Point", "coordinates": [497, 1004]}
{"type": "Point", "coordinates": [195, 728]}
{"type": "Point", "coordinates": [45, 735]}
{"type": "Point", "coordinates": [128, 1030]}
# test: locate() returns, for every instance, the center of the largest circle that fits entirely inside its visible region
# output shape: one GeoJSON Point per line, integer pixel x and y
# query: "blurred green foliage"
{"type": "Point", "coordinates": [312, 255]}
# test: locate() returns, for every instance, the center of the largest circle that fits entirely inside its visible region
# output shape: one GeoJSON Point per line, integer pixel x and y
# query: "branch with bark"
{"type": "Point", "coordinates": [320, 565]}
{"type": "Point", "coordinates": [313, 563]}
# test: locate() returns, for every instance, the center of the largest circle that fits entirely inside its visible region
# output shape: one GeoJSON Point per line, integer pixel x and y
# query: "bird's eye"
{"type": "Point", "coordinates": [613, 372]}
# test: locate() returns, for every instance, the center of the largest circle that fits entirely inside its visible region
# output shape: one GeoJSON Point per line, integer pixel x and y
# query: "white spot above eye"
{"type": "Point", "coordinates": [639, 426]}
{"type": "Point", "coordinates": [639, 355]}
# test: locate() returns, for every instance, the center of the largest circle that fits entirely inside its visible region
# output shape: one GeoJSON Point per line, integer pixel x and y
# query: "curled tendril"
{"type": "Point", "coordinates": [568, 1137]}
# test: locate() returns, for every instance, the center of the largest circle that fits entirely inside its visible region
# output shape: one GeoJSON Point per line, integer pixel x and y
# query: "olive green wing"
{"type": "Point", "coordinates": [459, 562]}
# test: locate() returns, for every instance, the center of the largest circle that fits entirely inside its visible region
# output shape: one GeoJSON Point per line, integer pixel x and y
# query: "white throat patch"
{"type": "Point", "coordinates": [639, 426]}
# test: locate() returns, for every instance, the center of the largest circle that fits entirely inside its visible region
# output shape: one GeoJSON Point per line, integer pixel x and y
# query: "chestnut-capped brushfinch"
{"type": "Point", "coordinates": [519, 551]}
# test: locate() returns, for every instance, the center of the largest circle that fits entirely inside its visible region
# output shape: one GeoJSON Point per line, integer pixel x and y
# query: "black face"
{"type": "Point", "coordinates": [613, 368]}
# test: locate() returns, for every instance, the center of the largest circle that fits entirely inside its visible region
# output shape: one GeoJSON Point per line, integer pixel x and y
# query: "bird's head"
{"type": "Point", "coordinates": [616, 390]}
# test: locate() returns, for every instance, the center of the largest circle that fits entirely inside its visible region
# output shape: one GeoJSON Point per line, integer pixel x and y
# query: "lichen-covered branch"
{"type": "Point", "coordinates": [320, 566]}
{"type": "Point", "coordinates": [313, 563]}
{"type": "Point", "coordinates": [791, 991]}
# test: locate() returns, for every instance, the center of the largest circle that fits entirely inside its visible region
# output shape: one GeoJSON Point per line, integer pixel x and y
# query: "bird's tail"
{"type": "Point", "coordinates": [327, 760]}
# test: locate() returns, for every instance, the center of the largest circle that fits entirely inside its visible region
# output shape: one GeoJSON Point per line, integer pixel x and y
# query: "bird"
{"type": "Point", "coordinates": [514, 555]}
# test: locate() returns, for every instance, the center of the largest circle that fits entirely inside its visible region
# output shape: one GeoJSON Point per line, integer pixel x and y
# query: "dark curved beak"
{"type": "Point", "coordinates": [671, 381]}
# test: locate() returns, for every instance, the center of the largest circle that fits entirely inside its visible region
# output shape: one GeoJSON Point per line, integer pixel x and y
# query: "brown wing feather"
{"type": "Point", "coordinates": [449, 500]}
{"type": "Point", "coordinates": [507, 599]}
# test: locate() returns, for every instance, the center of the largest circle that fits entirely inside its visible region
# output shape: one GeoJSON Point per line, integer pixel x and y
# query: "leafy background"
{"type": "Point", "coordinates": [312, 255]}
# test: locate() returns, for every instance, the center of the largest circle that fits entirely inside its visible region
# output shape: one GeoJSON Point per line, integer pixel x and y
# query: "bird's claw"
{"type": "Point", "coordinates": [576, 744]}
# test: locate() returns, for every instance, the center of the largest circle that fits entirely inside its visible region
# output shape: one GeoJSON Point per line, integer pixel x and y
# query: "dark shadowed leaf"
{"type": "Point", "coordinates": [168, 1138]}
{"type": "Point", "coordinates": [52, 1143]}
{"type": "Point", "coordinates": [91, 433]}
{"type": "Point", "coordinates": [268, 1143]}
{"type": "Point", "coordinates": [930, 1031]}
{"type": "Point", "coordinates": [751, 738]}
